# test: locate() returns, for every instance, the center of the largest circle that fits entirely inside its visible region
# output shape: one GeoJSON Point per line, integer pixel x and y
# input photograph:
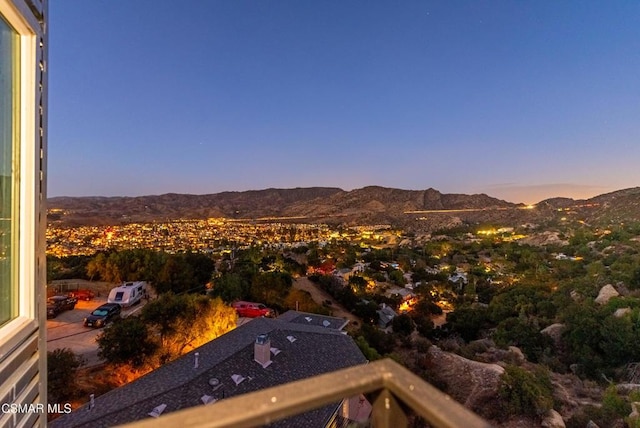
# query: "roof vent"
{"type": "Point", "coordinates": [215, 383]}
{"type": "Point", "coordinates": [308, 319]}
{"type": "Point", "coordinates": [92, 401]}
{"type": "Point", "coordinates": [195, 364]}
{"type": "Point", "coordinates": [207, 399]}
{"type": "Point", "coordinates": [261, 350]}
{"type": "Point", "coordinates": [326, 323]}
{"type": "Point", "coordinates": [291, 339]}
{"type": "Point", "coordinates": [157, 411]}
{"type": "Point", "coordinates": [275, 351]}
{"type": "Point", "coordinates": [237, 378]}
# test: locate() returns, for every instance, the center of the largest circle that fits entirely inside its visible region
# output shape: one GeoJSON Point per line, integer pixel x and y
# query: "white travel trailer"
{"type": "Point", "coordinates": [128, 293]}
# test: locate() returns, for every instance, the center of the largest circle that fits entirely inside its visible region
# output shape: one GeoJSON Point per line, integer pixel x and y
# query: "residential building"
{"type": "Point", "coordinates": [257, 355]}
{"type": "Point", "coordinates": [23, 148]}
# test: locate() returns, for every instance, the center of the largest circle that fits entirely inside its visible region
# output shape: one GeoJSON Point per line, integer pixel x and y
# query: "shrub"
{"type": "Point", "coordinates": [526, 393]}
{"type": "Point", "coordinates": [62, 365]}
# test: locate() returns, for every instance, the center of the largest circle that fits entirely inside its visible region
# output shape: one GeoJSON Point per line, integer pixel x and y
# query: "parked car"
{"type": "Point", "coordinates": [57, 304]}
{"type": "Point", "coordinates": [102, 315]}
{"type": "Point", "coordinates": [253, 310]}
{"type": "Point", "coordinates": [82, 294]}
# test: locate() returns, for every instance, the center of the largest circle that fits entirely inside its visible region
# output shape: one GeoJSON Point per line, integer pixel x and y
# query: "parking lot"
{"type": "Point", "coordinates": [67, 331]}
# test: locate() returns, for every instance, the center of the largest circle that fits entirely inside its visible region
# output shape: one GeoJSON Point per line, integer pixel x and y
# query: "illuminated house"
{"type": "Point", "coordinates": [23, 148]}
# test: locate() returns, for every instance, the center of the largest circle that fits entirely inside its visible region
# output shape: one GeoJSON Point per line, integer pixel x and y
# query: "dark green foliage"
{"type": "Point", "coordinates": [468, 321]}
{"type": "Point", "coordinates": [614, 407]}
{"type": "Point", "coordinates": [231, 287]}
{"type": "Point", "coordinates": [369, 353]}
{"type": "Point", "coordinates": [524, 334]}
{"type": "Point", "coordinates": [382, 342]}
{"type": "Point", "coordinates": [62, 366]}
{"type": "Point", "coordinates": [271, 288]}
{"type": "Point", "coordinates": [598, 341]}
{"type": "Point", "coordinates": [402, 325]}
{"type": "Point", "coordinates": [528, 300]}
{"type": "Point", "coordinates": [396, 277]}
{"type": "Point", "coordinates": [366, 311]}
{"type": "Point", "coordinates": [634, 283]}
{"type": "Point", "coordinates": [357, 282]}
{"type": "Point", "coordinates": [423, 323]}
{"type": "Point", "coordinates": [183, 272]}
{"type": "Point", "coordinates": [70, 267]}
{"type": "Point", "coordinates": [526, 393]}
{"type": "Point", "coordinates": [163, 312]}
{"type": "Point", "coordinates": [126, 342]}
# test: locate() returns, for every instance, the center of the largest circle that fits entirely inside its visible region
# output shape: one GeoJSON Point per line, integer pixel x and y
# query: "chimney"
{"type": "Point", "coordinates": [196, 362]}
{"type": "Point", "coordinates": [262, 350]}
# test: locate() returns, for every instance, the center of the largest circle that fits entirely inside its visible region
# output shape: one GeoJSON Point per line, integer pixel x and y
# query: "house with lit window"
{"type": "Point", "coordinates": [23, 148]}
{"type": "Point", "coordinates": [257, 355]}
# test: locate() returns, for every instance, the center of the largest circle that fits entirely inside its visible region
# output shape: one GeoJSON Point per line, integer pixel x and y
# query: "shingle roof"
{"type": "Point", "coordinates": [179, 385]}
{"type": "Point", "coordinates": [314, 319]}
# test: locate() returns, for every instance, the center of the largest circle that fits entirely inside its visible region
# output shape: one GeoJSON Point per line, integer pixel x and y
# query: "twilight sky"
{"type": "Point", "coordinates": [519, 100]}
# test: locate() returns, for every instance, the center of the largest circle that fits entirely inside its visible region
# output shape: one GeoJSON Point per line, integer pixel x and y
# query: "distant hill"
{"type": "Point", "coordinates": [414, 209]}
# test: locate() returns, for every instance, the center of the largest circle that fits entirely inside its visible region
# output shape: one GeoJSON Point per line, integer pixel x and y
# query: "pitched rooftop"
{"type": "Point", "coordinates": [179, 384]}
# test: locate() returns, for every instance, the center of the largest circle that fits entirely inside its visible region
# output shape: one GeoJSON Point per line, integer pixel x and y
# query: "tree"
{"type": "Point", "coordinates": [62, 366]}
{"type": "Point", "coordinates": [468, 322]}
{"type": "Point", "coordinates": [230, 287]}
{"type": "Point", "coordinates": [358, 283]}
{"type": "Point", "coordinates": [126, 342]}
{"type": "Point", "coordinates": [186, 321]}
{"type": "Point", "coordinates": [402, 324]}
{"type": "Point", "coordinates": [524, 334]}
{"type": "Point", "coordinates": [271, 288]}
{"type": "Point", "coordinates": [302, 301]}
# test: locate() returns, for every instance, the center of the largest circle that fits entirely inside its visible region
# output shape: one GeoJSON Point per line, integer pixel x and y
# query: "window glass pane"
{"type": "Point", "coordinates": [9, 167]}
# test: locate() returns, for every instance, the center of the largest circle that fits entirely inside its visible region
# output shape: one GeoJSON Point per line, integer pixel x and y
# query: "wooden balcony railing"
{"type": "Point", "coordinates": [394, 389]}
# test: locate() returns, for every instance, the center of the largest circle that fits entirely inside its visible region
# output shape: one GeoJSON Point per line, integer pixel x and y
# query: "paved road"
{"type": "Point", "coordinates": [67, 331]}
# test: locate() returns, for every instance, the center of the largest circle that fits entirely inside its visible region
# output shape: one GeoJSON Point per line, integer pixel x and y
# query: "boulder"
{"type": "Point", "coordinates": [619, 313]}
{"type": "Point", "coordinates": [554, 331]}
{"type": "Point", "coordinates": [517, 354]}
{"type": "Point", "coordinates": [472, 383]}
{"type": "Point", "coordinates": [553, 419]}
{"type": "Point", "coordinates": [606, 293]}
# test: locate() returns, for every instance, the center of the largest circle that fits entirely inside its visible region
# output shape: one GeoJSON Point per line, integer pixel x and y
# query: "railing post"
{"type": "Point", "coordinates": [387, 413]}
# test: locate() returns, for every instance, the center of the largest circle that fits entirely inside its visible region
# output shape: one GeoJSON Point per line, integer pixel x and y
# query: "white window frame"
{"type": "Point", "coordinates": [27, 318]}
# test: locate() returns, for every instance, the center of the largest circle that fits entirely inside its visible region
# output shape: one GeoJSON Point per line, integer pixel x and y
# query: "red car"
{"type": "Point", "coordinates": [253, 310]}
{"type": "Point", "coordinates": [82, 294]}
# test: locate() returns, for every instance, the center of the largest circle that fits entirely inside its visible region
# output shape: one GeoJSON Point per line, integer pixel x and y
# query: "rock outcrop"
{"type": "Point", "coordinates": [553, 420]}
{"type": "Point", "coordinates": [606, 293]}
{"type": "Point", "coordinates": [471, 383]}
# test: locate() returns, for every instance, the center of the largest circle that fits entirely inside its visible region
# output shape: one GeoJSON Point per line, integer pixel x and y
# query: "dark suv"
{"type": "Point", "coordinates": [102, 315]}
{"type": "Point", "coordinates": [57, 304]}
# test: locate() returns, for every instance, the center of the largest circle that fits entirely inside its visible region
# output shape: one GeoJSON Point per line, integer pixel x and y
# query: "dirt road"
{"type": "Point", "coordinates": [318, 295]}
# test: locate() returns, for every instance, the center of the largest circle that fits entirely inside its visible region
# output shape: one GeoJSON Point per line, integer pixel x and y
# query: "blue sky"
{"type": "Point", "coordinates": [519, 100]}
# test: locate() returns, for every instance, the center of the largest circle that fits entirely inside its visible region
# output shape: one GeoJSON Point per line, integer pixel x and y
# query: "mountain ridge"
{"type": "Point", "coordinates": [422, 209]}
